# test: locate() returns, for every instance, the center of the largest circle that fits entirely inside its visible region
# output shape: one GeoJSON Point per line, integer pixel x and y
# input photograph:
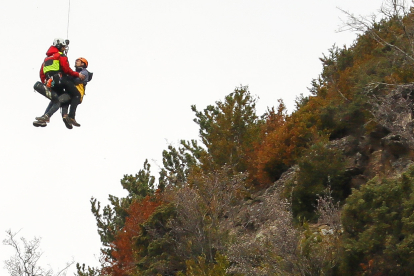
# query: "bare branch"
{"type": "Point", "coordinates": [27, 255]}
{"type": "Point", "coordinates": [391, 9]}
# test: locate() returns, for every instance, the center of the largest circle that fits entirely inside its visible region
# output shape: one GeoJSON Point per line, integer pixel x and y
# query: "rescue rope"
{"type": "Point", "coordinates": [67, 30]}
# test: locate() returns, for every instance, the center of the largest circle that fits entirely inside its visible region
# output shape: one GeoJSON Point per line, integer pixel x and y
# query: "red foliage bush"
{"type": "Point", "coordinates": [123, 257]}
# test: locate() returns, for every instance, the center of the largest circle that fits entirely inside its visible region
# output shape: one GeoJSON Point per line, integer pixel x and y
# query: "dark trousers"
{"type": "Point", "coordinates": [73, 92]}
{"type": "Point", "coordinates": [61, 100]}
{"type": "Point", "coordinates": [65, 88]}
{"type": "Point", "coordinates": [55, 103]}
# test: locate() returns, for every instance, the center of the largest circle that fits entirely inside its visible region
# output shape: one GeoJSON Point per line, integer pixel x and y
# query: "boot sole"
{"type": "Point", "coordinates": [39, 124]}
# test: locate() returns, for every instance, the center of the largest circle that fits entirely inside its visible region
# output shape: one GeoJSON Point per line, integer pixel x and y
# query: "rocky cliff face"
{"type": "Point", "coordinates": [264, 225]}
{"type": "Point", "coordinates": [379, 153]}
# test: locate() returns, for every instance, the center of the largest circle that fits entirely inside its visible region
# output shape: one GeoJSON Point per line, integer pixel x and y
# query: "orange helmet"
{"type": "Point", "coordinates": [84, 61]}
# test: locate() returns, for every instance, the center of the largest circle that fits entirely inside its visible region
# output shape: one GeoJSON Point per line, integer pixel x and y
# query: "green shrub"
{"type": "Point", "coordinates": [200, 266]}
{"type": "Point", "coordinates": [319, 168]}
{"type": "Point", "coordinates": [378, 223]}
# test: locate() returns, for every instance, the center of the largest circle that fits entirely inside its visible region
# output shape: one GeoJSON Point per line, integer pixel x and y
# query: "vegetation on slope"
{"type": "Point", "coordinates": [258, 195]}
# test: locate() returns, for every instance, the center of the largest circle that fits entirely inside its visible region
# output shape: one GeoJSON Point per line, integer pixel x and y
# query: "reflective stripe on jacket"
{"type": "Point", "coordinates": [54, 54]}
{"type": "Point", "coordinates": [52, 63]}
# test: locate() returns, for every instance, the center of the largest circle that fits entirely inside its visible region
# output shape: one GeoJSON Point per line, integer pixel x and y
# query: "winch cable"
{"type": "Point", "coordinates": [67, 29]}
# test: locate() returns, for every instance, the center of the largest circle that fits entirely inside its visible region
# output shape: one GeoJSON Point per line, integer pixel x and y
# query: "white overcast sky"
{"type": "Point", "coordinates": [151, 60]}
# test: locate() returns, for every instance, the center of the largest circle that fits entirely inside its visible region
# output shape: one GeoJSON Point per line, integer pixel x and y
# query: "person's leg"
{"type": "Point", "coordinates": [75, 99]}
{"type": "Point", "coordinates": [54, 104]}
{"type": "Point", "coordinates": [49, 106]}
{"type": "Point", "coordinates": [65, 110]}
{"type": "Point", "coordinates": [55, 107]}
{"type": "Point", "coordinates": [50, 94]}
{"type": "Point", "coordinates": [45, 117]}
{"type": "Point", "coordinates": [73, 106]}
{"type": "Point", "coordinates": [65, 117]}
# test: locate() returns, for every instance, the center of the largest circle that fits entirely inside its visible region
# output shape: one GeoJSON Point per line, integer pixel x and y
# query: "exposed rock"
{"type": "Point", "coordinates": [347, 144]}
{"type": "Point", "coordinates": [401, 165]}
{"type": "Point", "coordinates": [395, 144]}
{"type": "Point", "coordinates": [375, 165]}
{"type": "Point", "coordinates": [286, 177]}
{"type": "Point", "coordinates": [376, 130]}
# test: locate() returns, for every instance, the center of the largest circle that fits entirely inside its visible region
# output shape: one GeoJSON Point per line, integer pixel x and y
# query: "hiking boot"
{"type": "Point", "coordinates": [39, 124]}
{"type": "Point", "coordinates": [45, 118]}
{"type": "Point", "coordinates": [67, 122]}
{"type": "Point", "coordinates": [73, 122]}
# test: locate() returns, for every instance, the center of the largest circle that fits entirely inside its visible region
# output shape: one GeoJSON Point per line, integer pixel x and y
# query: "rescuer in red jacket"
{"type": "Point", "coordinates": [56, 74]}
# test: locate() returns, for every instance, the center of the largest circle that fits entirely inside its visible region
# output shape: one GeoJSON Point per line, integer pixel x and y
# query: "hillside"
{"type": "Point", "coordinates": [325, 190]}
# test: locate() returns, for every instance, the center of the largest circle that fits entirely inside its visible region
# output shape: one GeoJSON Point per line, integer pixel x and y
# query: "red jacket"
{"type": "Point", "coordinates": [53, 53]}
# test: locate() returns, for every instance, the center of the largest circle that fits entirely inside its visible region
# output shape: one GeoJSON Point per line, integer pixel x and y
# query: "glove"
{"type": "Point", "coordinates": [50, 83]}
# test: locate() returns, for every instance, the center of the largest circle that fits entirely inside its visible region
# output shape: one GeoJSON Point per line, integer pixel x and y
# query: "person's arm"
{"type": "Point", "coordinates": [86, 74]}
{"type": "Point", "coordinates": [66, 68]}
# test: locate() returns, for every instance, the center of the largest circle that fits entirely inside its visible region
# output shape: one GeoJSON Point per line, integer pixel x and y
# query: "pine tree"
{"type": "Point", "coordinates": [228, 130]}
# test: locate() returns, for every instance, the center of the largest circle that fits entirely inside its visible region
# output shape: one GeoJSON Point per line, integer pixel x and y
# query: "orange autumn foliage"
{"type": "Point", "coordinates": [123, 261]}
{"type": "Point", "coordinates": [283, 139]}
